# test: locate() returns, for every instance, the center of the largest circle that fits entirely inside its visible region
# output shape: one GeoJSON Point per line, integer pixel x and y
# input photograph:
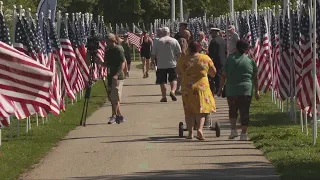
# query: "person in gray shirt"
{"type": "Point", "coordinates": [234, 38]}
{"type": "Point", "coordinates": [167, 51]}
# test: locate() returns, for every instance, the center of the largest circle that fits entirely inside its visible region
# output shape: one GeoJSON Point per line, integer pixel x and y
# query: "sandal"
{"type": "Point", "coordinates": [189, 137]}
{"type": "Point", "coordinates": [200, 136]}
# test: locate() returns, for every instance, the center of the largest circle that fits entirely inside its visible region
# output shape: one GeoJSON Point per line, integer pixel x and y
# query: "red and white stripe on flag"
{"type": "Point", "coordinates": [6, 109]}
{"type": "Point", "coordinates": [135, 40]}
{"type": "Point", "coordinates": [23, 79]}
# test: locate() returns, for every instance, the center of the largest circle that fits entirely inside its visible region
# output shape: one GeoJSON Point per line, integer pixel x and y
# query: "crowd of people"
{"type": "Point", "coordinates": [195, 69]}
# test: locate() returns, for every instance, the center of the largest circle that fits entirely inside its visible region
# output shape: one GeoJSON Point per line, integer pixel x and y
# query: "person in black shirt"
{"type": "Point", "coordinates": [182, 27]}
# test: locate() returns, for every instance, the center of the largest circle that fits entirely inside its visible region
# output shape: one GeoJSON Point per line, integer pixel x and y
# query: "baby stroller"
{"type": "Point", "coordinates": [212, 126]}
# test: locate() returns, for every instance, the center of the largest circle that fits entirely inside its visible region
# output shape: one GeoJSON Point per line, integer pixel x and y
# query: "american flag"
{"type": "Point", "coordinates": [55, 88]}
{"type": "Point", "coordinates": [24, 43]}
{"type": "Point", "coordinates": [6, 110]}
{"type": "Point", "coordinates": [135, 40]}
{"type": "Point", "coordinates": [265, 78]}
{"type": "Point", "coordinates": [71, 60]}
{"type": "Point", "coordinates": [4, 31]}
{"type": "Point", "coordinates": [80, 50]}
{"type": "Point", "coordinates": [22, 40]}
{"type": "Point", "coordinates": [24, 80]}
{"type": "Point", "coordinates": [285, 63]}
{"type": "Point", "coordinates": [306, 96]}
{"type": "Point", "coordinates": [58, 52]}
{"type": "Point", "coordinates": [296, 51]}
{"type": "Point", "coordinates": [244, 30]}
{"type": "Point", "coordinates": [275, 41]}
{"type": "Point", "coordinates": [6, 105]}
{"type": "Point", "coordinates": [255, 43]}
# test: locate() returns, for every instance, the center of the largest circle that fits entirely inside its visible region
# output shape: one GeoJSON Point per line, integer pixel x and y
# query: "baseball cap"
{"type": "Point", "coordinates": [165, 29]}
{"type": "Point", "coordinates": [231, 27]}
{"type": "Point", "coordinates": [214, 29]}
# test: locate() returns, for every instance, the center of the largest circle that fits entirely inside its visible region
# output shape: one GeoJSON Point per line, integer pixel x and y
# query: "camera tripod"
{"type": "Point", "coordinates": [88, 91]}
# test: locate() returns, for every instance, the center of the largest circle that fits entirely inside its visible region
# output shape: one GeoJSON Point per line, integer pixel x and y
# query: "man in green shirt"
{"type": "Point", "coordinates": [115, 61]}
{"type": "Point", "coordinates": [240, 74]}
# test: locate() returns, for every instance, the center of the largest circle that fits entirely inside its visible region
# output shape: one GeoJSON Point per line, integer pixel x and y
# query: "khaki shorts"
{"type": "Point", "coordinates": [116, 90]}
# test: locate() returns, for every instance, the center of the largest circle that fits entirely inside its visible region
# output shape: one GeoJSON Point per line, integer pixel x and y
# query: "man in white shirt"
{"type": "Point", "coordinates": [234, 38]}
{"type": "Point", "coordinates": [167, 51]}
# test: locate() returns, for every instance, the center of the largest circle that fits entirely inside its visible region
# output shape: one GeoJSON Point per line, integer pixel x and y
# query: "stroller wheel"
{"type": "Point", "coordinates": [181, 129]}
{"type": "Point", "coordinates": [217, 128]}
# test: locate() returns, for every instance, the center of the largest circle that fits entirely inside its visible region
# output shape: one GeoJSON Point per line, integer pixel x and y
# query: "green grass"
{"type": "Point", "coordinates": [20, 153]}
{"type": "Point", "coordinates": [291, 152]}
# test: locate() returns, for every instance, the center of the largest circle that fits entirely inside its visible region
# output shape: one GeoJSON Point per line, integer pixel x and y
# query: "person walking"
{"type": "Point", "coordinates": [181, 34]}
{"type": "Point", "coordinates": [114, 60]}
{"type": "Point", "coordinates": [159, 35]}
{"type": "Point", "coordinates": [203, 43]}
{"type": "Point", "coordinates": [127, 46]}
{"type": "Point", "coordinates": [217, 52]}
{"type": "Point", "coordinates": [184, 51]}
{"type": "Point", "coordinates": [234, 38]}
{"type": "Point", "coordinates": [167, 51]}
{"type": "Point", "coordinates": [146, 46]}
{"type": "Point", "coordinates": [240, 77]}
{"type": "Point", "coordinates": [198, 101]}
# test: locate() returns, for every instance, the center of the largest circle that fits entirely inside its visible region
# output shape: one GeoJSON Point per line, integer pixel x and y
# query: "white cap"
{"type": "Point", "coordinates": [231, 27]}
{"type": "Point", "coordinates": [214, 29]}
{"type": "Point", "coordinates": [166, 29]}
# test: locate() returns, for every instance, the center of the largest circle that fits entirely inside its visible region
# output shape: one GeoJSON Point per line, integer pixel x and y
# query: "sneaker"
{"type": "Point", "coordinates": [112, 120]}
{"type": "Point", "coordinates": [120, 119]}
{"type": "Point", "coordinates": [233, 134]}
{"type": "Point", "coordinates": [173, 97]}
{"type": "Point", "coordinates": [147, 75]}
{"type": "Point", "coordinates": [163, 99]}
{"type": "Point", "coordinates": [244, 137]}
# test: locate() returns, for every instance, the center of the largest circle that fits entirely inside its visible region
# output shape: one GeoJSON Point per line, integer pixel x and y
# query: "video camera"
{"type": "Point", "coordinates": [93, 44]}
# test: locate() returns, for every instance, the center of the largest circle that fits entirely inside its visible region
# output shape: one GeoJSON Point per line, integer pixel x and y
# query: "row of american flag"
{"type": "Point", "coordinates": [282, 48]}
{"type": "Point", "coordinates": [44, 64]}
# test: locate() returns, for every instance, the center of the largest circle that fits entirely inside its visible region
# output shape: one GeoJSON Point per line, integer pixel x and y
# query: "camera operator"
{"type": "Point", "coordinates": [115, 61]}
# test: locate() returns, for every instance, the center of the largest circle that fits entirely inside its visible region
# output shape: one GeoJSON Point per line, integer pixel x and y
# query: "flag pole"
{"type": "Point", "coordinates": [181, 10]}
{"type": "Point", "coordinates": [173, 12]}
{"type": "Point", "coordinates": [315, 84]}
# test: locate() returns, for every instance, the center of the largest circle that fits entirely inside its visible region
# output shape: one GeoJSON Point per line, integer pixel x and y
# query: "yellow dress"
{"type": "Point", "coordinates": [195, 89]}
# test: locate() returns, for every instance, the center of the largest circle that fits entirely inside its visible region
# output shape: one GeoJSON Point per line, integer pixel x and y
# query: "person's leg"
{"type": "Point", "coordinates": [147, 67]}
{"type": "Point", "coordinates": [190, 119]}
{"type": "Point", "coordinates": [143, 66]}
{"type": "Point", "coordinates": [200, 118]}
{"type": "Point", "coordinates": [173, 82]}
{"type": "Point", "coordinates": [162, 81]}
{"type": "Point", "coordinates": [178, 85]}
{"type": "Point", "coordinates": [244, 115]}
{"type": "Point", "coordinates": [233, 114]}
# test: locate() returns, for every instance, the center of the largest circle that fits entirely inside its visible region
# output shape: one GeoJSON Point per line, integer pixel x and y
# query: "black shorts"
{"type": "Point", "coordinates": [165, 75]}
{"type": "Point", "coordinates": [146, 55]}
{"type": "Point", "coordinates": [241, 104]}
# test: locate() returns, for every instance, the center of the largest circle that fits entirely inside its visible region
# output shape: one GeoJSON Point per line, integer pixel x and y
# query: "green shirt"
{"type": "Point", "coordinates": [113, 59]}
{"type": "Point", "coordinates": [240, 70]}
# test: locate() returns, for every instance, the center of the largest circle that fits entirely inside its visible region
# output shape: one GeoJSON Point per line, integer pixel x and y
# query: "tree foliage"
{"type": "Point", "coordinates": [128, 11]}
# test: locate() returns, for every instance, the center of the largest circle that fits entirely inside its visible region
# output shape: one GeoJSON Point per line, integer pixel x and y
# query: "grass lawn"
{"type": "Point", "coordinates": [20, 153]}
{"type": "Point", "coordinates": [290, 151]}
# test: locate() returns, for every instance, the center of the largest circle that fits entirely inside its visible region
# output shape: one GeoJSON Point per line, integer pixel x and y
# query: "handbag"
{"type": "Point", "coordinates": [223, 93]}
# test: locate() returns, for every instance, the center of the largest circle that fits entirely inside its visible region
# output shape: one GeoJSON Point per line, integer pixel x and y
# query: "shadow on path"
{"type": "Point", "coordinates": [227, 171]}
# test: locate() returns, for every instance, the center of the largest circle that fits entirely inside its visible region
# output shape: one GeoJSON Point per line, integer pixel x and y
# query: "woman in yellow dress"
{"type": "Point", "coordinates": [198, 100]}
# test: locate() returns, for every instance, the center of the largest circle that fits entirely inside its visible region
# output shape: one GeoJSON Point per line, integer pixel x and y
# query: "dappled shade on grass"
{"type": "Point", "coordinates": [290, 151]}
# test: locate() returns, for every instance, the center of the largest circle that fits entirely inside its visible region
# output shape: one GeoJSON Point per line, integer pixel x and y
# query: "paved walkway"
{"type": "Point", "coordinates": [147, 147]}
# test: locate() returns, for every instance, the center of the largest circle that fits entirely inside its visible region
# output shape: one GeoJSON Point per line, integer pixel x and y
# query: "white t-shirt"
{"type": "Point", "coordinates": [167, 51]}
